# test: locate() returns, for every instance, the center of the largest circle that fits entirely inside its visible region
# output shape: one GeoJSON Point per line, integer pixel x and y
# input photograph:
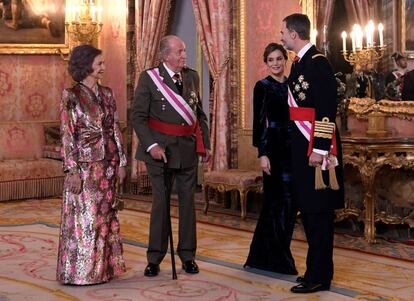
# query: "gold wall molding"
{"type": "Point", "coordinates": [242, 60]}
{"type": "Point", "coordinates": [17, 122]}
{"type": "Point", "coordinates": [199, 56]}
{"type": "Point", "coordinates": [245, 132]}
{"type": "Point", "coordinates": [403, 29]}
{"type": "Point", "coordinates": [57, 49]}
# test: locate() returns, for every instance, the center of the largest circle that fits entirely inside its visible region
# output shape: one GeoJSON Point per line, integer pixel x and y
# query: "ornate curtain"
{"type": "Point", "coordinates": [324, 12]}
{"type": "Point", "coordinates": [213, 19]}
{"type": "Point", "coordinates": [360, 11]}
{"type": "Point", "coordinates": [151, 19]}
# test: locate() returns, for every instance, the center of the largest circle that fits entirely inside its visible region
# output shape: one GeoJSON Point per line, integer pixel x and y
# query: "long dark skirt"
{"type": "Point", "coordinates": [270, 247]}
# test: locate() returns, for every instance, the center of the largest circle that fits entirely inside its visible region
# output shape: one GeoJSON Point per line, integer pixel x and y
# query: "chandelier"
{"type": "Point", "coordinates": [83, 21]}
{"type": "Point", "coordinates": [364, 55]}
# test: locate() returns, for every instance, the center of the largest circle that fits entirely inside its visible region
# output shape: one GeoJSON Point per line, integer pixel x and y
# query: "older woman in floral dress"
{"type": "Point", "coordinates": [90, 248]}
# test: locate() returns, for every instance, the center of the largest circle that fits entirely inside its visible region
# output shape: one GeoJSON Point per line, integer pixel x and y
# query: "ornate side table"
{"type": "Point", "coordinates": [368, 155]}
{"type": "Point", "coordinates": [242, 181]}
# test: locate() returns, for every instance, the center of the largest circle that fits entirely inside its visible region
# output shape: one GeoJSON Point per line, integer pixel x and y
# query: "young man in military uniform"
{"type": "Point", "coordinates": [316, 151]}
{"type": "Point", "coordinates": [394, 80]}
{"type": "Point", "coordinates": [172, 129]}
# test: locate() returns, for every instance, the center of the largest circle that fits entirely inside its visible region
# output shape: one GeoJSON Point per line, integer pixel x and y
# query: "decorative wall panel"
{"type": "Point", "coordinates": [262, 22]}
{"type": "Point", "coordinates": [31, 86]}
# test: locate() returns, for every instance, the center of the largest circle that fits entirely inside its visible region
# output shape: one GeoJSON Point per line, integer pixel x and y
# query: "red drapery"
{"type": "Point", "coordinates": [213, 19]}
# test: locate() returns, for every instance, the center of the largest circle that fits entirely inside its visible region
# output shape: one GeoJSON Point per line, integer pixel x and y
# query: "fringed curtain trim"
{"type": "Point", "coordinates": [36, 188]}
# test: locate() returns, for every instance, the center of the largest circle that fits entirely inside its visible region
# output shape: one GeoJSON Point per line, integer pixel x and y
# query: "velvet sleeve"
{"type": "Point", "coordinates": [259, 118]}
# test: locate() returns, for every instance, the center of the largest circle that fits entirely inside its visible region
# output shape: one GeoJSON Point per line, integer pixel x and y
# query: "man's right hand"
{"type": "Point", "coordinates": [157, 153]}
{"type": "Point", "coordinates": [315, 159]}
{"type": "Point", "coordinates": [265, 164]}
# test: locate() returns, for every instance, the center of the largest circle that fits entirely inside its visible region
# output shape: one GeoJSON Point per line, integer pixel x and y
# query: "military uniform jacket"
{"type": "Point", "coordinates": [313, 85]}
{"type": "Point", "coordinates": [149, 102]}
{"type": "Point", "coordinates": [408, 87]}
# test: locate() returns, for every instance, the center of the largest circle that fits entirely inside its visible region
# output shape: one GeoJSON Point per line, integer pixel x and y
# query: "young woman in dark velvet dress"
{"type": "Point", "coordinates": [270, 247]}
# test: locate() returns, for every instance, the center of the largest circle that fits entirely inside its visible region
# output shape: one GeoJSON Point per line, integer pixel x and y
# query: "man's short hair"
{"type": "Point", "coordinates": [398, 56]}
{"type": "Point", "coordinates": [165, 45]}
{"type": "Point", "coordinates": [299, 23]}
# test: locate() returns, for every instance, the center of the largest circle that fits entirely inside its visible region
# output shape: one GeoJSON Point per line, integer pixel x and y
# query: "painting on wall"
{"type": "Point", "coordinates": [407, 26]}
{"type": "Point", "coordinates": [32, 26]}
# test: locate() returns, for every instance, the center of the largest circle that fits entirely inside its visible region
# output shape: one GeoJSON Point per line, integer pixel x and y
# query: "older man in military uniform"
{"type": "Point", "coordinates": [316, 151]}
{"type": "Point", "coordinates": [172, 128]}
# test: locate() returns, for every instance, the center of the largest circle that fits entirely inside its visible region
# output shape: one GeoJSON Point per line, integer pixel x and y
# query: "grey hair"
{"type": "Point", "coordinates": [165, 47]}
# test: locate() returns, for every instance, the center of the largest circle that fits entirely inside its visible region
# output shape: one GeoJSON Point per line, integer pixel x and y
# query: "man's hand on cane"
{"type": "Point", "coordinates": [158, 153]}
{"type": "Point", "coordinates": [265, 164]}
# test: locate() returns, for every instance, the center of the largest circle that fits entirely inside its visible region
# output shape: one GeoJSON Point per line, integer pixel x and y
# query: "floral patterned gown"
{"type": "Point", "coordinates": [90, 248]}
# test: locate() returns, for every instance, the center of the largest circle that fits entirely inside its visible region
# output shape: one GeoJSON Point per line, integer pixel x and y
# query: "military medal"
{"type": "Point", "coordinates": [193, 100]}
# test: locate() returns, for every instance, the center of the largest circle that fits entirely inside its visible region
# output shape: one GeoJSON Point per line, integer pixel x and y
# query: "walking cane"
{"type": "Point", "coordinates": [167, 198]}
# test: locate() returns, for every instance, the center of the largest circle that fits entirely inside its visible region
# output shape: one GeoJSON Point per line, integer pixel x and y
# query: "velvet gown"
{"type": "Point", "coordinates": [270, 247]}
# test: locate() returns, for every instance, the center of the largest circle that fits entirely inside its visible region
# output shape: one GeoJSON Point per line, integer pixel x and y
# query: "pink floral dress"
{"type": "Point", "coordinates": [90, 248]}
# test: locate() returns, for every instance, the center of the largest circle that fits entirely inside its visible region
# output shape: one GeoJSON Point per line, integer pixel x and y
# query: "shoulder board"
{"type": "Point", "coordinates": [317, 55]}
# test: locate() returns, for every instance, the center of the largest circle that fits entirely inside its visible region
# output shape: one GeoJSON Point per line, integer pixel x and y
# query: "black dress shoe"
{"type": "Point", "coordinates": [306, 288]}
{"type": "Point", "coordinates": [190, 267]}
{"type": "Point", "coordinates": [152, 270]}
{"type": "Point", "coordinates": [300, 279]}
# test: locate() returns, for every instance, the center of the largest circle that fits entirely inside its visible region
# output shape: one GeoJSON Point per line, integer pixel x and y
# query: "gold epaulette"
{"type": "Point", "coordinates": [317, 55]}
{"type": "Point", "coordinates": [324, 128]}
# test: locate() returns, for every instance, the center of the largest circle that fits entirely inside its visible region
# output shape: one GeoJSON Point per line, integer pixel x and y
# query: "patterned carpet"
{"type": "Point", "coordinates": [28, 243]}
{"type": "Point", "coordinates": [32, 250]}
{"type": "Point", "coordinates": [231, 218]}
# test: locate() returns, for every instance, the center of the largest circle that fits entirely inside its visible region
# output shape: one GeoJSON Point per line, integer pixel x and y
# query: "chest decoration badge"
{"type": "Point", "coordinates": [193, 100]}
{"type": "Point", "coordinates": [300, 88]}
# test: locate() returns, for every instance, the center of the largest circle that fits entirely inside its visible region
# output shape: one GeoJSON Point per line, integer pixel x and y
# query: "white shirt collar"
{"type": "Point", "coordinates": [401, 70]}
{"type": "Point", "coordinates": [303, 51]}
{"type": "Point", "coordinates": [170, 72]}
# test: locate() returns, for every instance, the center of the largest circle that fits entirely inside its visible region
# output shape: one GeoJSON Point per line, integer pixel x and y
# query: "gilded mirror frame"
{"type": "Point", "coordinates": [404, 26]}
{"type": "Point", "coordinates": [38, 47]}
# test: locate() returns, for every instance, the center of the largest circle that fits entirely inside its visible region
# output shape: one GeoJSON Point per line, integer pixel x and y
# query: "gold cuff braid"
{"type": "Point", "coordinates": [324, 128]}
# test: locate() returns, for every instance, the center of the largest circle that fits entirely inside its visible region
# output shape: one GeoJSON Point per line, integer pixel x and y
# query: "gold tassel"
{"type": "Point", "coordinates": [319, 184]}
{"type": "Point", "coordinates": [333, 182]}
